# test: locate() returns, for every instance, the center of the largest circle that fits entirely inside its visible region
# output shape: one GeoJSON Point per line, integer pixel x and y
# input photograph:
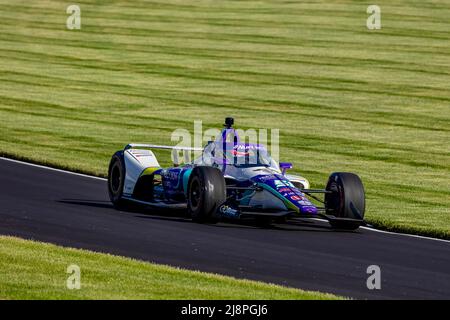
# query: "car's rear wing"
{"type": "Point", "coordinates": [175, 151]}
{"type": "Point", "coordinates": [155, 146]}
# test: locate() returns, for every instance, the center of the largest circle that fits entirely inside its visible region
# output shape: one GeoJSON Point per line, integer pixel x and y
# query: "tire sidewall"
{"type": "Point", "coordinates": [346, 201]}
{"type": "Point", "coordinates": [212, 194]}
{"type": "Point", "coordinates": [116, 163]}
{"type": "Point", "coordinates": [195, 211]}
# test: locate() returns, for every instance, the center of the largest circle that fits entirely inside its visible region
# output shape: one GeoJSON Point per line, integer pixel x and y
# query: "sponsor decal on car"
{"type": "Point", "coordinates": [228, 211]}
{"type": "Point", "coordinates": [247, 146]}
{"type": "Point", "coordinates": [171, 175]}
{"type": "Point", "coordinates": [288, 194]}
{"type": "Point", "coordinates": [310, 209]}
{"type": "Point", "coordinates": [267, 178]}
{"type": "Point", "coordinates": [283, 183]}
{"type": "Point", "coordinates": [240, 153]}
{"type": "Point", "coordinates": [140, 153]}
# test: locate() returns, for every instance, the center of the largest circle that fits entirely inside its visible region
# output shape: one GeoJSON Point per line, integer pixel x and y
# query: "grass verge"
{"type": "Point", "coordinates": [36, 270]}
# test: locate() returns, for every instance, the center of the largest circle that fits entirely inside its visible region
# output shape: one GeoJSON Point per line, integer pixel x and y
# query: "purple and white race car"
{"type": "Point", "coordinates": [234, 180]}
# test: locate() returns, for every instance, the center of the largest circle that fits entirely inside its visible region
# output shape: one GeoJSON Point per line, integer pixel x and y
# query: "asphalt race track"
{"type": "Point", "coordinates": [73, 210]}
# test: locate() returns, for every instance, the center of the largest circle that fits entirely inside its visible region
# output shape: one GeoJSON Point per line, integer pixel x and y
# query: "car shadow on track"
{"type": "Point", "coordinates": [179, 215]}
{"type": "Point", "coordinates": [89, 203]}
{"type": "Point", "coordinates": [138, 211]}
{"type": "Point", "coordinates": [298, 224]}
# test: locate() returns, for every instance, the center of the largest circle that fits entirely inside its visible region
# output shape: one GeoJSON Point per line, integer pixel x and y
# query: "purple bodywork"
{"type": "Point", "coordinates": [275, 183]}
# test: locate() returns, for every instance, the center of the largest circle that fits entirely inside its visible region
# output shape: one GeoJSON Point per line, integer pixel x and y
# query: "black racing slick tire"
{"type": "Point", "coordinates": [345, 200]}
{"type": "Point", "coordinates": [206, 193]}
{"type": "Point", "coordinates": [116, 180]}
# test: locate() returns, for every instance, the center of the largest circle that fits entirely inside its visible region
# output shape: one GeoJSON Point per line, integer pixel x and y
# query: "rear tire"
{"type": "Point", "coordinates": [206, 192]}
{"type": "Point", "coordinates": [346, 200]}
{"type": "Point", "coordinates": [116, 181]}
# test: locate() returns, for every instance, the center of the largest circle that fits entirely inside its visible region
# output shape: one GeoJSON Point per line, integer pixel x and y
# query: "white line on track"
{"type": "Point", "coordinates": [103, 179]}
{"type": "Point", "coordinates": [394, 233]}
{"type": "Point", "coordinates": [52, 169]}
{"type": "Point", "coordinates": [404, 234]}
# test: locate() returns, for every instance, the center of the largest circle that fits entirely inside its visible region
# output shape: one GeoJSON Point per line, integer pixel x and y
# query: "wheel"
{"type": "Point", "coordinates": [206, 192]}
{"type": "Point", "coordinates": [346, 200]}
{"type": "Point", "coordinates": [116, 180]}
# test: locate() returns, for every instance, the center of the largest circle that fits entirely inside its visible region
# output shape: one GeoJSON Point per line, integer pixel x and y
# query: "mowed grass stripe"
{"type": "Point", "coordinates": [65, 36]}
{"type": "Point", "coordinates": [318, 107]}
{"type": "Point", "coordinates": [96, 39]}
{"type": "Point", "coordinates": [36, 23]}
{"type": "Point", "coordinates": [230, 75]}
{"type": "Point", "coordinates": [382, 153]}
{"type": "Point", "coordinates": [422, 118]}
{"type": "Point", "coordinates": [113, 30]}
{"type": "Point", "coordinates": [176, 25]}
{"type": "Point", "coordinates": [318, 9]}
{"type": "Point", "coordinates": [388, 156]}
{"type": "Point", "coordinates": [205, 52]}
{"type": "Point", "coordinates": [295, 10]}
{"type": "Point", "coordinates": [327, 113]}
{"type": "Point", "coordinates": [55, 110]}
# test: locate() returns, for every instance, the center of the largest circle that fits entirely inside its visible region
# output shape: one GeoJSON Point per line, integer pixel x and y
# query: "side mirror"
{"type": "Point", "coordinates": [285, 166]}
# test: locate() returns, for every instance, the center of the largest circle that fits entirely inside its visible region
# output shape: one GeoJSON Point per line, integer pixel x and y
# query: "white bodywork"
{"type": "Point", "coordinates": [298, 181]}
{"type": "Point", "coordinates": [136, 161]}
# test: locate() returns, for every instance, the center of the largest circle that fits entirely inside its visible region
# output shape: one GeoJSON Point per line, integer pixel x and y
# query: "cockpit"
{"type": "Point", "coordinates": [241, 155]}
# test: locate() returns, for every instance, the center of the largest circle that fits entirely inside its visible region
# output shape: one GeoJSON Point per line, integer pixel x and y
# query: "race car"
{"type": "Point", "coordinates": [234, 180]}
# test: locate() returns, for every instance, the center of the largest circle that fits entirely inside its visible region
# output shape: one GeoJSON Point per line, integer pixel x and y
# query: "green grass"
{"type": "Point", "coordinates": [345, 98]}
{"type": "Point", "coordinates": [34, 270]}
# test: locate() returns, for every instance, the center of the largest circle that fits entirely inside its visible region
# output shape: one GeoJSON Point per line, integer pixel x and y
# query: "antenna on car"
{"type": "Point", "coordinates": [229, 122]}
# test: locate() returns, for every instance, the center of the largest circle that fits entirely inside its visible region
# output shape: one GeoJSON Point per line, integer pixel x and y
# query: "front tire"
{"type": "Point", "coordinates": [206, 193]}
{"type": "Point", "coordinates": [346, 200]}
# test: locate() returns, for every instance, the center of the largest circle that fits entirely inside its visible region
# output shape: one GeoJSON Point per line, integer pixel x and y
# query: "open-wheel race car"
{"type": "Point", "coordinates": [232, 179]}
